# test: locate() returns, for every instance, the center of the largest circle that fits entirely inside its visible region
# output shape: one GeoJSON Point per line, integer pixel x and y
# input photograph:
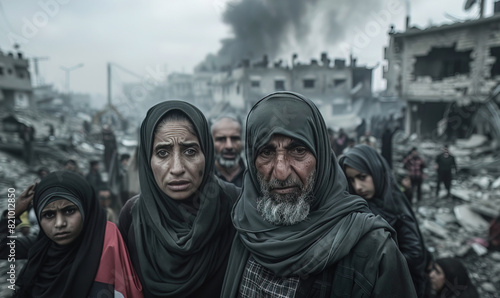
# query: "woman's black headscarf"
{"type": "Point", "coordinates": [337, 220]}
{"type": "Point", "coordinates": [177, 254]}
{"type": "Point", "coordinates": [388, 198]}
{"type": "Point", "coordinates": [55, 270]}
{"type": "Point", "coordinates": [457, 281]}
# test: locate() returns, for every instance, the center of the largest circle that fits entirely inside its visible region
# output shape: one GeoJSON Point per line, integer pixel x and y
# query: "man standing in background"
{"type": "Point", "coordinates": [226, 133]}
{"type": "Point", "coordinates": [445, 163]}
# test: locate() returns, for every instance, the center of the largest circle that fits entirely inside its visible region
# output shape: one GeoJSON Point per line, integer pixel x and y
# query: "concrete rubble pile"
{"type": "Point", "coordinates": [458, 226]}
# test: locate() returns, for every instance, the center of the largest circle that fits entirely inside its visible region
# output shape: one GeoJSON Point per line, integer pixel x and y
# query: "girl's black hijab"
{"type": "Point", "coordinates": [388, 197]}
{"type": "Point", "coordinates": [457, 281]}
{"type": "Point", "coordinates": [178, 254]}
{"type": "Point", "coordinates": [53, 270]}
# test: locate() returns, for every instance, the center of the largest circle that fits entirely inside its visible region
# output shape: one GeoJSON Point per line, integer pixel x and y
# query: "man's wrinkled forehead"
{"type": "Point", "coordinates": [287, 142]}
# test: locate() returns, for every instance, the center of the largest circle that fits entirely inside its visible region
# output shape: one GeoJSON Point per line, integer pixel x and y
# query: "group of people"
{"type": "Point", "coordinates": [281, 222]}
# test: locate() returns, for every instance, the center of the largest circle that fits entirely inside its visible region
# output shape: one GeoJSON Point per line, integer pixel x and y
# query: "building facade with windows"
{"type": "Point", "coordinates": [332, 86]}
{"type": "Point", "coordinates": [445, 74]}
{"type": "Point", "coordinates": [15, 82]}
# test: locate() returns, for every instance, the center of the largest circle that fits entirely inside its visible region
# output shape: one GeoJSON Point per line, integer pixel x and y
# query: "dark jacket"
{"type": "Point", "coordinates": [371, 267]}
{"type": "Point", "coordinates": [446, 164]}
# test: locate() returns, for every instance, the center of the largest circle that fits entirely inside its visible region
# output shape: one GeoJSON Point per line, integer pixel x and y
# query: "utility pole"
{"type": "Point", "coordinates": [68, 70]}
{"type": "Point", "coordinates": [109, 68]}
{"type": "Point", "coordinates": [109, 84]}
{"type": "Point", "coordinates": [38, 79]}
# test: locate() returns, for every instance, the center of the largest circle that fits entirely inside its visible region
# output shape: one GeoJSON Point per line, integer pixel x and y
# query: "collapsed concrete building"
{"type": "Point", "coordinates": [15, 81]}
{"type": "Point", "coordinates": [331, 83]}
{"type": "Point", "coordinates": [448, 77]}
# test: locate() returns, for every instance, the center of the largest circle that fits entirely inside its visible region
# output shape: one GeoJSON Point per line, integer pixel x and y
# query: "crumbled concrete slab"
{"type": "Point", "coordinates": [463, 194]}
{"type": "Point", "coordinates": [435, 229]}
{"type": "Point", "coordinates": [469, 219]}
{"type": "Point", "coordinates": [479, 249]}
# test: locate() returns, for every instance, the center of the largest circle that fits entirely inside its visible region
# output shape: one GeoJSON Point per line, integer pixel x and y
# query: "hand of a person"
{"type": "Point", "coordinates": [24, 200]}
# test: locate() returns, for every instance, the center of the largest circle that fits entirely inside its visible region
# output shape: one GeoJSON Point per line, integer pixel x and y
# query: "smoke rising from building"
{"type": "Point", "coordinates": [278, 28]}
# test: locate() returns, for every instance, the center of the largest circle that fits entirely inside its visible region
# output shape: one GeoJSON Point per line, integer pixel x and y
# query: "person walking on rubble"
{"type": "Point", "coordinates": [415, 166]}
{"type": "Point", "coordinates": [445, 164]}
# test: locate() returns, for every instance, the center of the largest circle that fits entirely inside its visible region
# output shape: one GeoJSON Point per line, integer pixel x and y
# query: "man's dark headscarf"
{"type": "Point", "coordinates": [337, 220]}
{"type": "Point", "coordinates": [69, 270]}
{"type": "Point", "coordinates": [179, 251]}
{"type": "Point", "coordinates": [388, 199]}
{"type": "Point", "coordinates": [457, 281]}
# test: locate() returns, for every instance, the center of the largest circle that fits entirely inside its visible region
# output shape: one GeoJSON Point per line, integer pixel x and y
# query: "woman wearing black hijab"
{"type": "Point", "coordinates": [370, 177]}
{"type": "Point", "coordinates": [449, 278]}
{"type": "Point", "coordinates": [77, 252]}
{"type": "Point", "coordinates": [178, 229]}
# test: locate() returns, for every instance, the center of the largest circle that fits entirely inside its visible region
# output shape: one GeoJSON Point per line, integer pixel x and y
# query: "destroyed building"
{"type": "Point", "coordinates": [15, 81]}
{"type": "Point", "coordinates": [333, 84]}
{"type": "Point", "coordinates": [447, 77]}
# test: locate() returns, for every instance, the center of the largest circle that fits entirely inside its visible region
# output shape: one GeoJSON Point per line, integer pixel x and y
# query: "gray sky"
{"type": "Point", "coordinates": [149, 37]}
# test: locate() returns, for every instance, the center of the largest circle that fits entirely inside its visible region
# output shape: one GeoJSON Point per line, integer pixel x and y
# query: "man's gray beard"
{"type": "Point", "coordinates": [228, 163]}
{"type": "Point", "coordinates": [286, 209]}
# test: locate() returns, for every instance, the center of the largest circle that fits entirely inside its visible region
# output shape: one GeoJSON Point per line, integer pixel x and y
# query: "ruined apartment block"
{"type": "Point", "coordinates": [442, 69]}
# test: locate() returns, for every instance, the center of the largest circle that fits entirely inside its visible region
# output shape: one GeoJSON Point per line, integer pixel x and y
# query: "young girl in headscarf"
{"type": "Point", "coordinates": [77, 253]}
{"type": "Point", "coordinates": [370, 177]}
{"type": "Point", "coordinates": [449, 278]}
{"type": "Point", "coordinates": [178, 229]}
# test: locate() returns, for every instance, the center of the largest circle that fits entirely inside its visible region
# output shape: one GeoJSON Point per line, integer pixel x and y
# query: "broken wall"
{"type": "Point", "coordinates": [461, 62]}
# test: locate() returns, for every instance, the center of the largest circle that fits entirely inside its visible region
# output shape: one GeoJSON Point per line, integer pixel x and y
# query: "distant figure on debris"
{"type": "Point", "coordinates": [415, 166]}
{"type": "Point", "coordinates": [94, 176]}
{"type": "Point", "coordinates": [28, 137]}
{"type": "Point", "coordinates": [386, 149]}
{"type": "Point", "coordinates": [123, 178]}
{"type": "Point", "coordinates": [449, 278]}
{"type": "Point", "coordinates": [86, 127]}
{"type": "Point", "coordinates": [351, 142]}
{"type": "Point", "coordinates": [110, 146]}
{"type": "Point", "coordinates": [360, 129]}
{"type": "Point", "coordinates": [133, 175]}
{"type": "Point", "coordinates": [299, 233]}
{"type": "Point", "coordinates": [370, 177]}
{"type": "Point", "coordinates": [42, 172]}
{"type": "Point", "coordinates": [72, 166]}
{"type": "Point", "coordinates": [340, 142]}
{"type": "Point", "coordinates": [108, 202]}
{"type": "Point", "coordinates": [368, 139]}
{"type": "Point", "coordinates": [445, 164]}
{"type": "Point", "coordinates": [226, 133]}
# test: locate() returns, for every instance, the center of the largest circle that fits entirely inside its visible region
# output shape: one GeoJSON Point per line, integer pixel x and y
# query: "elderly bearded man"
{"type": "Point", "coordinates": [299, 232]}
{"type": "Point", "coordinates": [226, 133]}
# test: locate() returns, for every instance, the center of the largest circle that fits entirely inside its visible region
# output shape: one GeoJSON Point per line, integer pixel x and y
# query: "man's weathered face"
{"type": "Point", "coordinates": [286, 170]}
{"type": "Point", "coordinates": [226, 134]}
